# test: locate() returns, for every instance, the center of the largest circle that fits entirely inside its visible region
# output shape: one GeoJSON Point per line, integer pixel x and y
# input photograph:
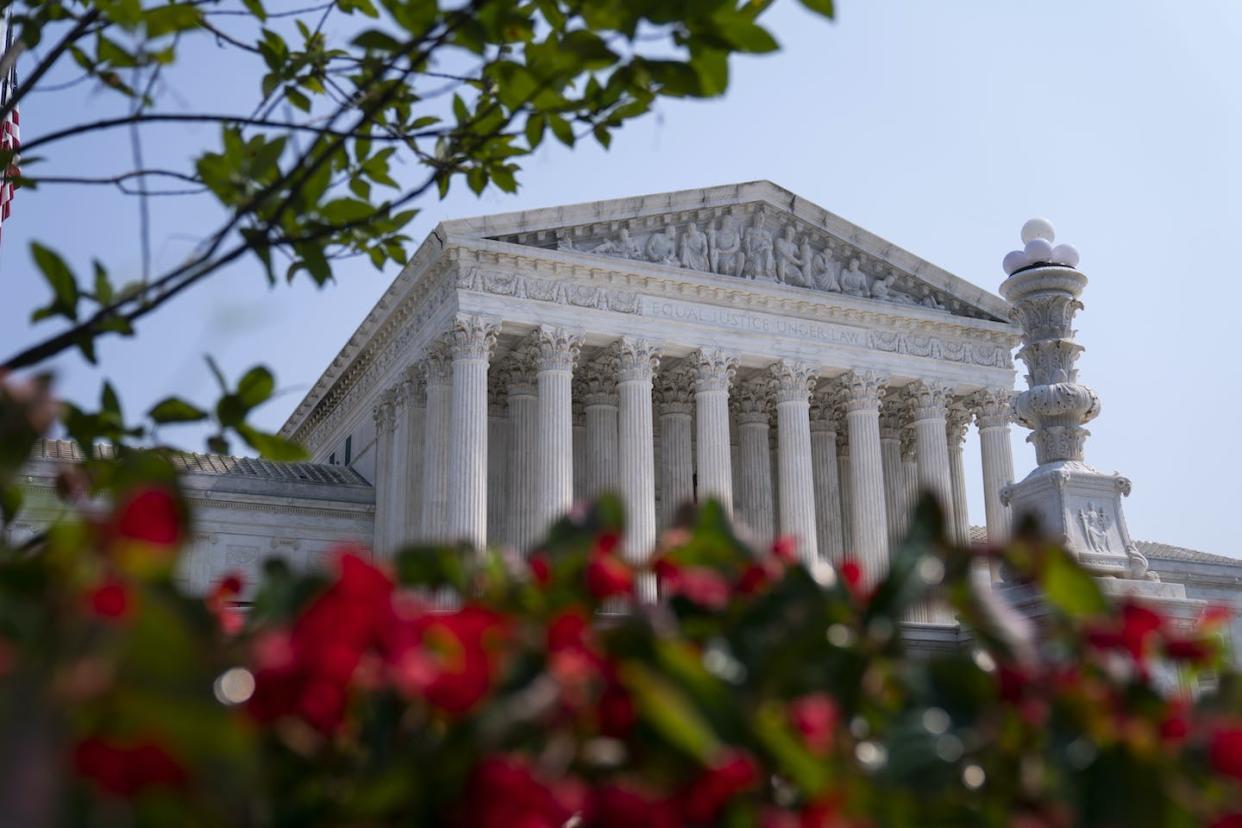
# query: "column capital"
{"type": "Point", "coordinates": [438, 363]}
{"type": "Point", "coordinates": [517, 372]}
{"type": "Point", "coordinates": [957, 421]}
{"type": "Point", "coordinates": [929, 399]}
{"type": "Point", "coordinates": [472, 337]}
{"type": "Point", "coordinates": [749, 401]}
{"type": "Point", "coordinates": [993, 407]}
{"type": "Point", "coordinates": [825, 409]}
{"type": "Point", "coordinates": [383, 413]}
{"type": "Point", "coordinates": [672, 393]}
{"type": "Point", "coordinates": [894, 414]}
{"type": "Point", "coordinates": [598, 381]}
{"type": "Point", "coordinates": [862, 390]}
{"type": "Point", "coordinates": [415, 376]}
{"type": "Point", "coordinates": [909, 443]}
{"type": "Point", "coordinates": [714, 369]}
{"type": "Point", "coordinates": [791, 381]}
{"type": "Point", "coordinates": [637, 359]}
{"type": "Point", "coordinates": [497, 394]}
{"type": "Point", "coordinates": [556, 349]}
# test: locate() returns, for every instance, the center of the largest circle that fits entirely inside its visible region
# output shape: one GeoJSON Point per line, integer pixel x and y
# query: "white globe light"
{"type": "Point", "coordinates": [1039, 250]}
{"type": "Point", "coordinates": [1065, 254]}
{"type": "Point", "coordinates": [1014, 260]}
{"type": "Point", "coordinates": [1038, 228]}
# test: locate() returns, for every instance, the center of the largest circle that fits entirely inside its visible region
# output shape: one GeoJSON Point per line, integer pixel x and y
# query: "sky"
{"type": "Point", "coordinates": [939, 126]}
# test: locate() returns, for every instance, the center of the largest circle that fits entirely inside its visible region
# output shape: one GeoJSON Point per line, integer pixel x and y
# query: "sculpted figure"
{"type": "Point", "coordinates": [821, 269]}
{"type": "Point", "coordinates": [662, 247]}
{"type": "Point", "coordinates": [884, 290]}
{"type": "Point", "coordinates": [622, 246]}
{"type": "Point", "coordinates": [757, 247]}
{"type": "Point", "coordinates": [694, 249]}
{"type": "Point", "coordinates": [930, 301]}
{"type": "Point", "coordinates": [854, 281]}
{"type": "Point", "coordinates": [725, 245]}
{"type": "Point", "coordinates": [789, 261]}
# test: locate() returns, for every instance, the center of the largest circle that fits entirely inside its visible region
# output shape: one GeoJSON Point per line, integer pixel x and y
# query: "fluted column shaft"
{"type": "Point", "coordinates": [436, 441]}
{"type": "Point", "coordinates": [791, 390]}
{"type": "Point", "coordinates": [863, 391]}
{"type": "Point", "coordinates": [636, 367]}
{"type": "Point", "coordinates": [556, 352]}
{"type": "Point", "coordinates": [929, 401]}
{"type": "Point", "coordinates": [675, 466]}
{"type": "Point", "coordinates": [472, 340]}
{"type": "Point", "coordinates": [713, 375]}
{"type": "Point", "coordinates": [382, 415]}
{"type": "Point", "coordinates": [398, 483]}
{"type": "Point", "coordinates": [599, 385]}
{"type": "Point", "coordinates": [579, 440]}
{"type": "Point", "coordinates": [416, 419]}
{"type": "Point", "coordinates": [993, 414]}
{"type": "Point", "coordinates": [755, 506]}
{"type": "Point", "coordinates": [523, 444]}
{"type": "Point", "coordinates": [845, 476]}
{"type": "Point", "coordinates": [957, 422]}
{"type": "Point", "coordinates": [498, 428]}
{"type": "Point", "coordinates": [894, 475]}
{"type": "Point", "coordinates": [827, 487]}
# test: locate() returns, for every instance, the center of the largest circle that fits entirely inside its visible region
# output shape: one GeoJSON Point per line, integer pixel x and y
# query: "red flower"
{"type": "Point", "coordinates": [1227, 821]}
{"type": "Point", "coordinates": [697, 584]}
{"type": "Point", "coordinates": [503, 791]}
{"type": "Point", "coordinates": [540, 569]}
{"type": "Point", "coordinates": [1175, 727]}
{"type": "Point", "coordinates": [606, 576]}
{"type": "Point", "coordinates": [1190, 650]}
{"type": "Point", "coordinates": [111, 599]}
{"type": "Point", "coordinates": [220, 602]}
{"type": "Point", "coordinates": [852, 574]}
{"type": "Point", "coordinates": [754, 578]}
{"type": "Point", "coordinates": [1133, 632]}
{"type": "Point", "coordinates": [1225, 751]}
{"type": "Point", "coordinates": [785, 549]}
{"type": "Point", "coordinates": [815, 716]}
{"type": "Point", "coordinates": [703, 801]}
{"type": "Point", "coordinates": [606, 543]}
{"type": "Point", "coordinates": [615, 806]}
{"type": "Point", "coordinates": [151, 516]}
{"type": "Point", "coordinates": [127, 769]}
{"type": "Point", "coordinates": [617, 715]}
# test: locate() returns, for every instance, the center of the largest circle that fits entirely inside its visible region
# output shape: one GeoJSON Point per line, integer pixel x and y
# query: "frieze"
{"type": "Point", "coordinates": [752, 242]}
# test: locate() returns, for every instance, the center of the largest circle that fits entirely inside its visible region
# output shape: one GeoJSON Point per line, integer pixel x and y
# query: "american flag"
{"type": "Point", "coordinates": [10, 133]}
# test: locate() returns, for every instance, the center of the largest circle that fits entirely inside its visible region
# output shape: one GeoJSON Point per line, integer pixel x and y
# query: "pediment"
{"type": "Point", "coordinates": [755, 231]}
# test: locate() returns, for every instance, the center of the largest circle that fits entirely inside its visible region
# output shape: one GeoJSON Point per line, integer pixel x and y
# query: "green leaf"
{"type": "Point", "coordinates": [256, 386]}
{"type": "Point", "coordinates": [346, 210]}
{"type": "Point", "coordinates": [378, 41]}
{"type": "Point", "coordinates": [176, 410]}
{"type": "Point", "coordinates": [824, 7]}
{"type": "Point", "coordinates": [668, 710]}
{"type": "Point", "coordinates": [561, 129]}
{"type": "Point", "coordinates": [272, 446]}
{"type": "Point", "coordinates": [255, 7]}
{"type": "Point", "coordinates": [176, 17]}
{"type": "Point", "coordinates": [1069, 587]}
{"type": "Point", "coordinates": [103, 287]}
{"type": "Point", "coordinates": [59, 277]}
{"type": "Point", "coordinates": [747, 36]}
{"type": "Point", "coordinates": [535, 126]}
{"type": "Point", "coordinates": [10, 503]}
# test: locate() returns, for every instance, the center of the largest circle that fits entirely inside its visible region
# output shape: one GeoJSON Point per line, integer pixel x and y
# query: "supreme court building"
{"type": "Point", "coordinates": [737, 343]}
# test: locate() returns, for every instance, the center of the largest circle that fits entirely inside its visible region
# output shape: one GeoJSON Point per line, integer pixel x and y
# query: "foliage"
{"type": "Point", "coordinates": [759, 692]}
{"type": "Point", "coordinates": [415, 95]}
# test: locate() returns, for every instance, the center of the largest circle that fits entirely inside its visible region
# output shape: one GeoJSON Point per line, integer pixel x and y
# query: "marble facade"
{"type": "Point", "coordinates": [736, 343]}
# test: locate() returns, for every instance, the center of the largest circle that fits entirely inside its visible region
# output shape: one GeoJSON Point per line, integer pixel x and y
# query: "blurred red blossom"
{"type": "Point", "coordinates": [127, 769]}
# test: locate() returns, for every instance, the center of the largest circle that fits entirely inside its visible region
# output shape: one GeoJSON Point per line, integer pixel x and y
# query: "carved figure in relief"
{"type": "Point", "coordinates": [757, 249]}
{"type": "Point", "coordinates": [884, 290]}
{"type": "Point", "coordinates": [789, 259]}
{"type": "Point", "coordinates": [854, 281]}
{"type": "Point", "coordinates": [821, 269]}
{"type": "Point", "coordinates": [725, 246]}
{"type": "Point", "coordinates": [1095, 525]}
{"type": "Point", "coordinates": [662, 247]}
{"type": "Point", "coordinates": [623, 246]}
{"type": "Point", "coordinates": [693, 252]}
{"type": "Point", "coordinates": [929, 300]}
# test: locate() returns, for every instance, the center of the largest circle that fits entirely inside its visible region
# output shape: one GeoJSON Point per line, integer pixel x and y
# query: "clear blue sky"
{"type": "Point", "coordinates": [940, 126]}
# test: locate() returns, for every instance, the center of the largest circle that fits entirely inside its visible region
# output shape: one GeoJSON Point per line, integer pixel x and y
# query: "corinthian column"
{"type": "Point", "coordinates": [863, 391]}
{"type": "Point", "coordinates": [791, 389]}
{"type": "Point", "coordinates": [579, 428]}
{"type": "Point", "coordinates": [891, 414]}
{"type": "Point", "coordinates": [412, 471]}
{"type": "Point", "coordinates": [929, 400]}
{"type": "Point", "coordinates": [846, 479]}
{"type": "Point", "coordinates": [676, 465]}
{"type": "Point", "coordinates": [519, 378]}
{"type": "Point", "coordinates": [471, 341]}
{"type": "Point", "coordinates": [750, 402]}
{"type": "Point", "coordinates": [910, 467]}
{"type": "Point", "coordinates": [556, 351]}
{"type": "Point", "coordinates": [599, 384]}
{"type": "Point", "coordinates": [993, 413]}
{"type": "Point", "coordinates": [439, 370]}
{"type": "Point", "coordinates": [713, 375]}
{"type": "Point", "coordinates": [827, 478]}
{"type": "Point", "coordinates": [636, 367]}
{"type": "Point", "coordinates": [957, 421]}
{"type": "Point", "coordinates": [498, 427]}
{"type": "Point", "coordinates": [382, 416]}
